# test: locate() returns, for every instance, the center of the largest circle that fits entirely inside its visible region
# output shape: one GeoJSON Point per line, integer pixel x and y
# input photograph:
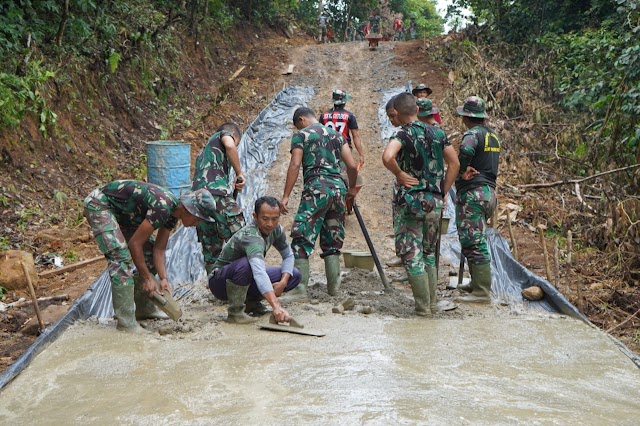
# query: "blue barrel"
{"type": "Point", "coordinates": [169, 165]}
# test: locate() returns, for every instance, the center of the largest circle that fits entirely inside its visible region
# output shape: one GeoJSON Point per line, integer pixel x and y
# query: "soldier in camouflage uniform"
{"type": "Point", "coordinates": [240, 272]}
{"type": "Point", "coordinates": [319, 149]}
{"type": "Point", "coordinates": [416, 156]}
{"type": "Point", "coordinates": [123, 216]}
{"type": "Point", "coordinates": [476, 197]}
{"type": "Point", "coordinates": [212, 172]}
{"type": "Point", "coordinates": [426, 112]}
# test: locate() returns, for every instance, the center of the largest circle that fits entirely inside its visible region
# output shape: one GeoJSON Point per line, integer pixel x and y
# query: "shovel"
{"type": "Point", "coordinates": [167, 304]}
{"type": "Point", "coordinates": [292, 326]}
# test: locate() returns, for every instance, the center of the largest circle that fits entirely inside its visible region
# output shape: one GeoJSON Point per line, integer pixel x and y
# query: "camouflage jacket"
{"type": "Point", "coordinates": [250, 243]}
{"type": "Point", "coordinates": [422, 157]}
{"type": "Point", "coordinates": [212, 166]}
{"type": "Point", "coordinates": [321, 155]}
{"type": "Point", "coordinates": [134, 201]}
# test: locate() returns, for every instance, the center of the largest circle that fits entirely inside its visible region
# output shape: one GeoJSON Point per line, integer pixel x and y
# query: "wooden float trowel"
{"type": "Point", "coordinates": [292, 326]}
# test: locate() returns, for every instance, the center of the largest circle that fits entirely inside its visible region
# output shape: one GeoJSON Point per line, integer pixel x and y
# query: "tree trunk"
{"type": "Point", "coordinates": [63, 23]}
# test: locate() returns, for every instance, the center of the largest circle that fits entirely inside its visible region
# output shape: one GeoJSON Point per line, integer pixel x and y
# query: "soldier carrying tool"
{"type": "Point", "coordinates": [318, 150]}
{"type": "Point", "coordinates": [123, 216]}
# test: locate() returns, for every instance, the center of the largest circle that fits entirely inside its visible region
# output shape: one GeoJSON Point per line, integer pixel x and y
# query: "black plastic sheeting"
{"type": "Point", "coordinates": [258, 150]}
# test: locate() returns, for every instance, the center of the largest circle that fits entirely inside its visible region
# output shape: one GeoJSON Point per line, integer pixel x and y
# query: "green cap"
{"type": "Point", "coordinates": [425, 107]}
{"type": "Point", "coordinates": [473, 107]}
{"type": "Point", "coordinates": [421, 87]}
{"type": "Point", "coordinates": [199, 203]}
{"type": "Point", "coordinates": [340, 97]}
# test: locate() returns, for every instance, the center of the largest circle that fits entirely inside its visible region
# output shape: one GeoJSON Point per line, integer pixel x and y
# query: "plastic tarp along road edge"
{"type": "Point", "coordinates": [258, 150]}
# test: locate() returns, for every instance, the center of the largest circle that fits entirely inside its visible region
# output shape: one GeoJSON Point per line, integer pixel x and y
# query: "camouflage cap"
{"type": "Point", "coordinates": [473, 107]}
{"type": "Point", "coordinates": [421, 87]}
{"type": "Point", "coordinates": [424, 107]}
{"type": "Point", "coordinates": [199, 203]}
{"type": "Point", "coordinates": [340, 97]}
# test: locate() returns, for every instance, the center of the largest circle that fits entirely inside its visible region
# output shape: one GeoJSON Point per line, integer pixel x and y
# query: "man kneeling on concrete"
{"type": "Point", "coordinates": [240, 272]}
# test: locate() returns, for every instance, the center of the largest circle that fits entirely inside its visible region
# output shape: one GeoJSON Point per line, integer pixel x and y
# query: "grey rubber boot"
{"type": "Point", "coordinates": [300, 292]}
{"type": "Point", "coordinates": [432, 277]}
{"type": "Point", "coordinates": [145, 308]}
{"type": "Point", "coordinates": [125, 309]}
{"type": "Point", "coordinates": [332, 272]}
{"type": "Point", "coordinates": [235, 312]}
{"type": "Point", "coordinates": [420, 288]}
{"type": "Point", "coordinates": [254, 306]}
{"type": "Point", "coordinates": [481, 284]}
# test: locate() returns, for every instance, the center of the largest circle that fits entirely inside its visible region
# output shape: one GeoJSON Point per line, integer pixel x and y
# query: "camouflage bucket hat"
{"type": "Point", "coordinates": [421, 87]}
{"type": "Point", "coordinates": [199, 203]}
{"type": "Point", "coordinates": [473, 107]}
{"type": "Point", "coordinates": [340, 97]}
{"type": "Point", "coordinates": [424, 107]}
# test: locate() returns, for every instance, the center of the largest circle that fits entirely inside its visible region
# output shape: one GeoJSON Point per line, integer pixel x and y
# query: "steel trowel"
{"type": "Point", "coordinates": [167, 304]}
{"type": "Point", "coordinates": [292, 326]}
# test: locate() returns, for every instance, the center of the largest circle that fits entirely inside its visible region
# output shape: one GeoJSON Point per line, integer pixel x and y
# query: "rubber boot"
{"type": "Point", "coordinates": [237, 295]}
{"type": "Point", "coordinates": [125, 309]}
{"type": "Point", "coordinates": [420, 288]}
{"type": "Point", "coordinates": [300, 292]}
{"type": "Point", "coordinates": [255, 307]}
{"type": "Point", "coordinates": [481, 284]}
{"type": "Point", "coordinates": [432, 277]}
{"type": "Point", "coordinates": [145, 308]}
{"type": "Point", "coordinates": [332, 272]}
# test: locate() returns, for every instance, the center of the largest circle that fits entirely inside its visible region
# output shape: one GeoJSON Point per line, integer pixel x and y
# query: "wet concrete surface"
{"type": "Point", "coordinates": [533, 369]}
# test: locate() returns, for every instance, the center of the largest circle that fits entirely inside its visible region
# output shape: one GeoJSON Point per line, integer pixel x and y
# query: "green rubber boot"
{"type": "Point", "coordinates": [255, 307]}
{"type": "Point", "coordinates": [145, 308]}
{"type": "Point", "coordinates": [300, 292]}
{"type": "Point", "coordinates": [125, 309]}
{"type": "Point", "coordinates": [235, 312]}
{"type": "Point", "coordinates": [332, 272]}
{"type": "Point", "coordinates": [420, 288]}
{"type": "Point", "coordinates": [432, 276]}
{"type": "Point", "coordinates": [481, 284]}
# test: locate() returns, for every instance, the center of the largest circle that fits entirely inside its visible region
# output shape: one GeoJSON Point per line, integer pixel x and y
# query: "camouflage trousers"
{"type": "Point", "coordinates": [212, 235]}
{"type": "Point", "coordinates": [321, 212]}
{"type": "Point", "coordinates": [473, 208]}
{"type": "Point", "coordinates": [417, 235]}
{"type": "Point", "coordinates": [113, 240]}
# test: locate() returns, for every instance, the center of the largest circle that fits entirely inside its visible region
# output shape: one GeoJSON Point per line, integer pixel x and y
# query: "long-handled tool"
{"type": "Point", "coordinates": [438, 243]}
{"type": "Point", "coordinates": [239, 179]}
{"type": "Point", "coordinates": [32, 292]}
{"type": "Point", "coordinates": [385, 283]}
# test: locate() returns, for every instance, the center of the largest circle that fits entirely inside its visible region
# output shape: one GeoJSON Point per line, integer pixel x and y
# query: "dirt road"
{"type": "Point", "coordinates": [474, 365]}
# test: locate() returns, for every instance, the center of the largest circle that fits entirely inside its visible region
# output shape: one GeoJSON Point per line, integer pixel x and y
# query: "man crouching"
{"type": "Point", "coordinates": [241, 273]}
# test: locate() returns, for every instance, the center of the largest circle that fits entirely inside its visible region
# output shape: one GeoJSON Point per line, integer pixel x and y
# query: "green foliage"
{"type": "Point", "coordinates": [19, 95]}
{"type": "Point", "coordinates": [4, 243]}
{"type": "Point", "coordinates": [3, 291]}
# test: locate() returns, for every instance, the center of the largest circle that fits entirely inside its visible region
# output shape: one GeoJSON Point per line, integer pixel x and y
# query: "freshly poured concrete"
{"type": "Point", "coordinates": [367, 370]}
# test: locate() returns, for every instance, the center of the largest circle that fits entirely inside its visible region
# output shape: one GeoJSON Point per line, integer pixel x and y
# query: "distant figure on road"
{"type": "Point", "coordinates": [476, 197]}
{"type": "Point", "coordinates": [323, 21]}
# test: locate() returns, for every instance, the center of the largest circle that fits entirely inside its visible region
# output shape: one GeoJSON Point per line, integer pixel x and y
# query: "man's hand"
{"type": "Point", "coordinates": [284, 202]}
{"type": "Point", "coordinates": [240, 182]}
{"type": "Point", "coordinates": [280, 314]}
{"type": "Point", "coordinates": [150, 285]}
{"type": "Point", "coordinates": [470, 173]}
{"type": "Point", "coordinates": [360, 161]}
{"type": "Point", "coordinates": [352, 192]}
{"type": "Point", "coordinates": [278, 287]}
{"type": "Point", "coordinates": [406, 180]}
